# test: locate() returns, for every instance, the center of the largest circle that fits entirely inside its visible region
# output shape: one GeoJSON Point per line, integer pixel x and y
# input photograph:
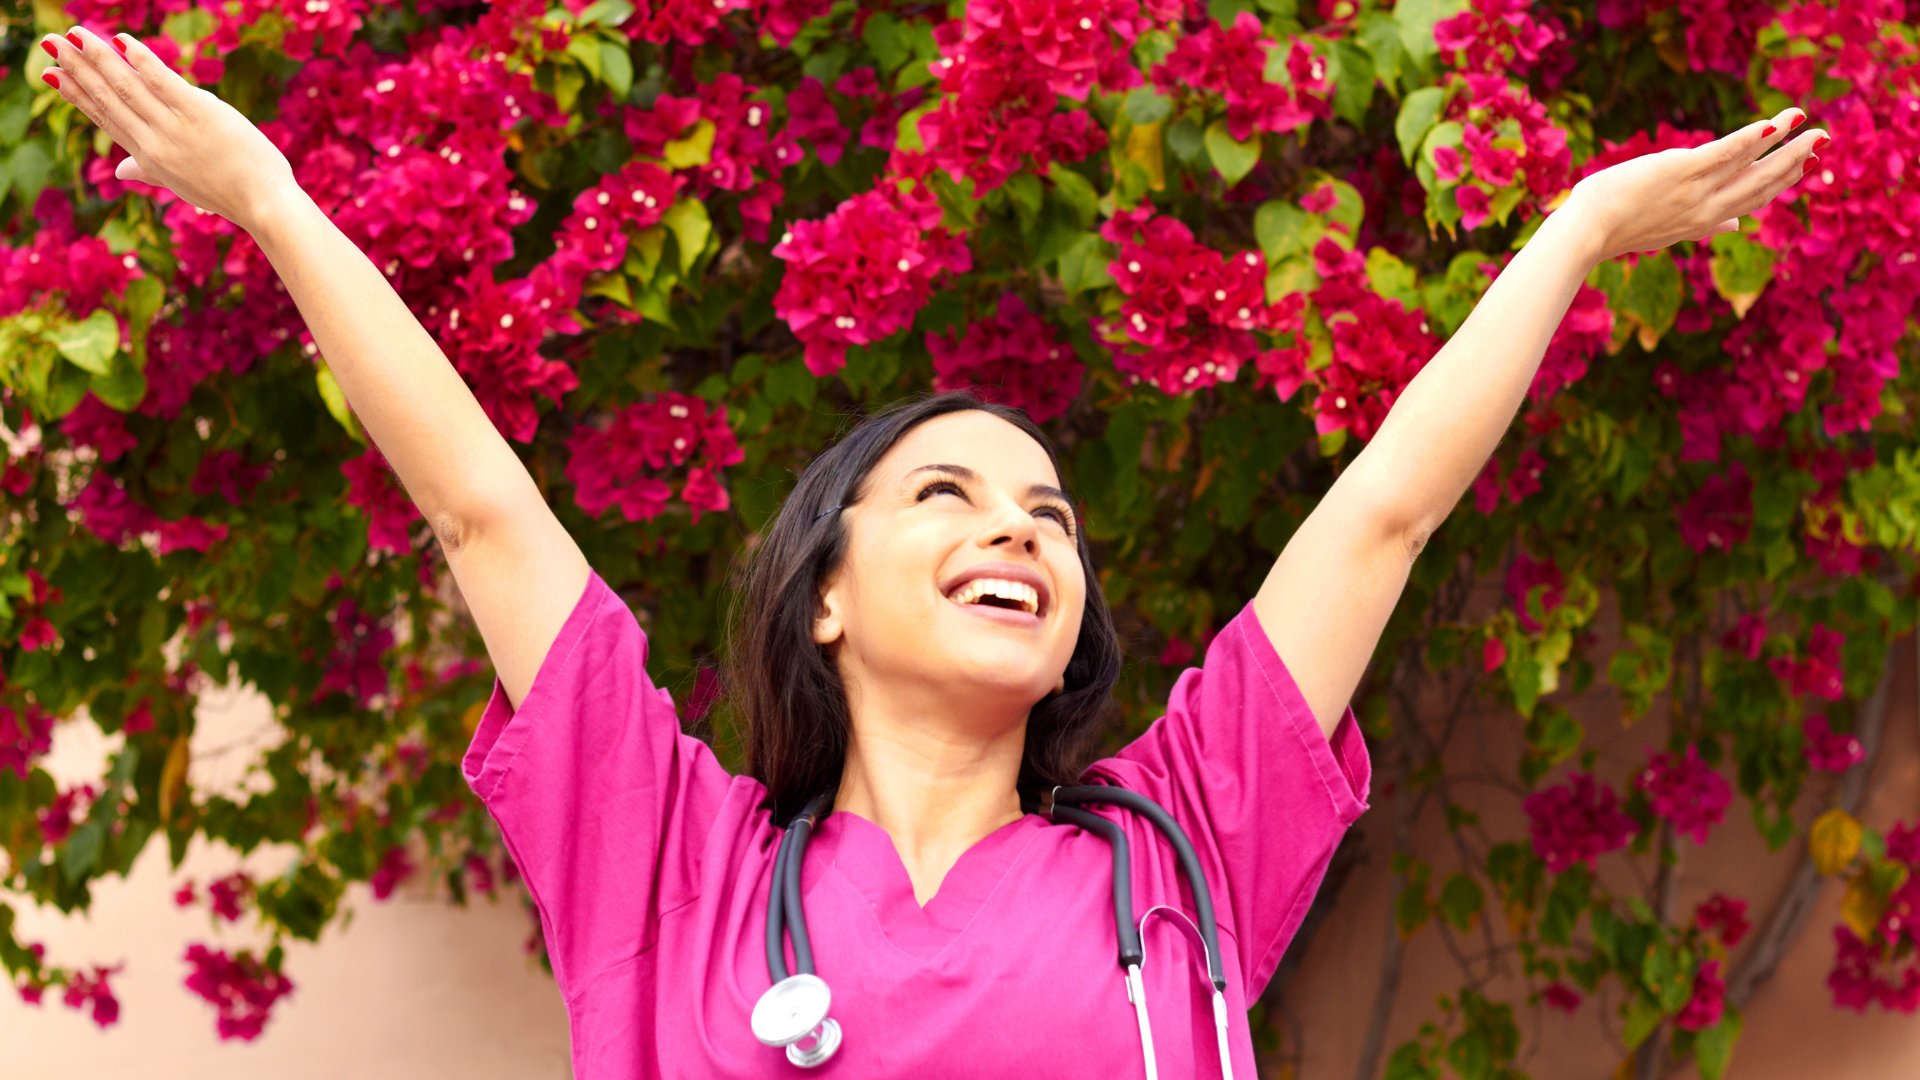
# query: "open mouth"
{"type": "Point", "coordinates": [998, 593]}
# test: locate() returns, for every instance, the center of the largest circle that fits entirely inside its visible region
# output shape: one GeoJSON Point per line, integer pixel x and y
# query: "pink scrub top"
{"type": "Point", "coordinates": [649, 864]}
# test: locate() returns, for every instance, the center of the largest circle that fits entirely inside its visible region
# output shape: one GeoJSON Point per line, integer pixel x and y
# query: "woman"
{"type": "Point", "coordinates": [922, 647]}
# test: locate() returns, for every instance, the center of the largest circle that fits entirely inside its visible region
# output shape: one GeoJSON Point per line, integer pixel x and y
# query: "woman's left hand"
{"type": "Point", "coordinates": [1689, 194]}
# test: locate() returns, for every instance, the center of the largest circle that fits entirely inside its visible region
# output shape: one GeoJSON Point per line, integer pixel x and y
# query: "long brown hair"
{"type": "Point", "coordinates": [785, 688]}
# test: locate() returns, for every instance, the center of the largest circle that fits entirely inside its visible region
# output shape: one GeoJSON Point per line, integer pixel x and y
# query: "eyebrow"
{"type": "Point", "coordinates": [964, 473]}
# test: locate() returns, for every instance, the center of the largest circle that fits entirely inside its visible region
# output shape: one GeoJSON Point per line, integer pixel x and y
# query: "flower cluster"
{"type": "Point", "coordinates": [1709, 999]}
{"type": "Point", "coordinates": [1686, 791]}
{"type": "Point", "coordinates": [1884, 967]}
{"type": "Point", "coordinates": [90, 991]}
{"type": "Point", "coordinates": [57, 820]}
{"type": "Point", "coordinates": [1723, 916]}
{"type": "Point", "coordinates": [863, 272]}
{"type": "Point", "coordinates": [353, 666]}
{"type": "Point", "coordinates": [1232, 62]}
{"type": "Point", "coordinates": [1001, 70]}
{"type": "Point", "coordinates": [1576, 822]}
{"type": "Point", "coordinates": [744, 156]}
{"type": "Point", "coordinates": [1014, 358]}
{"type": "Point", "coordinates": [1379, 344]}
{"type": "Point", "coordinates": [1720, 34]}
{"type": "Point", "coordinates": [396, 866]}
{"type": "Point", "coordinates": [1506, 35]}
{"type": "Point", "coordinates": [1522, 482]}
{"type": "Point", "coordinates": [241, 987]}
{"type": "Point", "coordinates": [1720, 514]}
{"type": "Point", "coordinates": [1523, 575]}
{"type": "Point", "coordinates": [225, 895]}
{"type": "Point", "coordinates": [1827, 749]}
{"type": "Point", "coordinates": [373, 488]}
{"type": "Point", "coordinates": [1508, 137]}
{"type": "Point", "coordinates": [1827, 538]}
{"type": "Point", "coordinates": [1746, 636]}
{"type": "Point", "coordinates": [620, 463]}
{"type": "Point", "coordinates": [606, 215]}
{"type": "Point", "coordinates": [1188, 311]}
{"type": "Point", "coordinates": [1819, 672]}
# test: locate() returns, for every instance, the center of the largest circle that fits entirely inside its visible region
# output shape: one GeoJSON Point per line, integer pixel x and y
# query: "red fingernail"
{"type": "Point", "coordinates": [1768, 130]}
{"type": "Point", "coordinates": [52, 49]}
{"type": "Point", "coordinates": [1796, 121]}
{"type": "Point", "coordinates": [1820, 142]}
{"type": "Point", "coordinates": [119, 47]}
{"type": "Point", "coordinates": [1808, 166]}
{"type": "Point", "coordinates": [52, 79]}
{"type": "Point", "coordinates": [74, 36]}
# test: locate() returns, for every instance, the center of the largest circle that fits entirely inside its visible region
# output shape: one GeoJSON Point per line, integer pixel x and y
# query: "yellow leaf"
{"type": "Point", "coordinates": [1742, 302]}
{"type": "Point", "coordinates": [1145, 148]}
{"type": "Point", "coordinates": [1833, 841]}
{"type": "Point", "coordinates": [471, 718]}
{"type": "Point", "coordinates": [1861, 907]}
{"type": "Point", "coordinates": [173, 776]}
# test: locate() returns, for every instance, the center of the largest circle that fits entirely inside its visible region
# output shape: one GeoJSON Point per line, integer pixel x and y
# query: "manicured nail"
{"type": "Point", "coordinates": [52, 49]}
{"type": "Point", "coordinates": [1808, 166]}
{"type": "Point", "coordinates": [1820, 142]}
{"type": "Point", "coordinates": [74, 36]}
{"type": "Point", "coordinates": [119, 46]}
{"type": "Point", "coordinates": [1796, 121]}
{"type": "Point", "coordinates": [52, 78]}
{"type": "Point", "coordinates": [1768, 130]}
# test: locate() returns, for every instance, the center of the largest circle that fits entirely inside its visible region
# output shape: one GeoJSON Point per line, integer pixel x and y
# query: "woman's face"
{"type": "Point", "coordinates": [886, 615]}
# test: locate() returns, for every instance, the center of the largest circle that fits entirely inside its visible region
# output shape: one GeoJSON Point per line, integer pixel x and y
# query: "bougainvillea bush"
{"type": "Point", "coordinates": [671, 246]}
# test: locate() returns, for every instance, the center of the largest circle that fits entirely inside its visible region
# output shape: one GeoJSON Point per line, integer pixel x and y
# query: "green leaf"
{"type": "Point", "coordinates": [1417, 115]}
{"type": "Point", "coordinates": [90, 344]}
{"type": "Point", "coordinates": [1653, 293]}
{"type": "Point", "coordinates": [1742, 270]}
{"type": "Point", "coordinates": [1145, 105]}
{"type": "Point", "coordinates": [1186, 140]}
{"type": "Point", "coordinates": [616, 69]}
{"type": "Point", "coordinates": [336, 400]}
{"type": "Point", "coordinates": [1643, 1016]}
{"type": "Point", "coordinates": [888, 40]}
{"type": "Point", "coordinates": [604, 13]}
{"type": "Point", "coordinates": [1389, 276]}
{"type": "Point", "coordinates": [1084, 266]}
{"type": "Point", "coordinates": [1410, 910]}
{"type": "Point", "coordinates": [1381, 36]}
{"type": "Point", "coordinates": [1713, 1047]}
{"type": "Point", "coordinates": [688, 221]}
{"type": "Point", "coordinates": [123, 386]}
{"type": "Point", "coordinates": [1351, 71]}
{"type": "Point", "coordinates": [1231, 158]}
{"type": "Point", "coordinates": [1461, 899]}
{"type": "Point", "coordinates": [692, 149]}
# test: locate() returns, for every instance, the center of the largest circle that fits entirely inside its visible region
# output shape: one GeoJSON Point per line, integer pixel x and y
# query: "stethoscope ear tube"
{"type": "Point", "coordinates": [1182, 848]}
{"type": "Point", "coordinates": [1131, 954]}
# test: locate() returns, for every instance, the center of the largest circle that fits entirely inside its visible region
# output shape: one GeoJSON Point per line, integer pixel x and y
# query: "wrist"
{"type": "Point", "coordinates": [1576, 225]}
{"type": "Point", "coordinates": [275, 206]}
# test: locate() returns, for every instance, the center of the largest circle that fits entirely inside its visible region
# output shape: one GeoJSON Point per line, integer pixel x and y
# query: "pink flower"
{"type": "Point", "coordinates": [1725, 915]}
{"type": "Point", "coordinates": [1528, 573]}
{"type": "Point", "coordinates": [1493, 654]}
{"type": "Point", "coordinates": [376, 491]}
{"type": "Point", "coordinates": [86, 991]}
{"type": "Point", "coordinates": [1561, 996]}
{"type": "Point", "coordinates": [1720, 513]}
{"type": "Point", "coordinates": [1576, 822]}
{"type": "Point", "coordinates": [629, 460]}
{"type": "Point", "coordinates": [1014, 358]}
{"type": "Point", "coordinates": [1828, 749]}
{"type": "Point", "coordinates": [240, 987]}
{"type": "Point", "coordinates": [1703, 1009]}
{"type": "Point", "coordinates": [1686, 791]}
{"type": "Point", "coordinates": [1819, 673]}
{"type": "Point", "coordinates": [226, 895]}
{"type": "Point", "coordinates": [395, 867]}
{"type": "Point", "coordinates": [862, 272]}
{"type": "Point", "coordinates": [1475, 208]}
{"type": "Point", "coordinates": [1746, 636]}
{"type": "Point", "coordinates": [1232, 62]}
{"type": "Point", "coordinates": [57, 820]}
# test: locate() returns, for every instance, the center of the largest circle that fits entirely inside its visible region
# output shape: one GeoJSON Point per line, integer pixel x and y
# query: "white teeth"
{"type": "Point", "coordinates": [1027, 595]}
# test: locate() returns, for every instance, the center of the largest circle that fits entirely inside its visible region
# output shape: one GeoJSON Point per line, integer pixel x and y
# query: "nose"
{"type": "Point", "coordinates": [1011, 524]}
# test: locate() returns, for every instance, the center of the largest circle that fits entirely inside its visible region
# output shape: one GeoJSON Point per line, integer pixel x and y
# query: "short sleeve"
{"type": "Point", "coordinates": [596, 790]}
{"type": "Point", "coordinates": [1240, 763]}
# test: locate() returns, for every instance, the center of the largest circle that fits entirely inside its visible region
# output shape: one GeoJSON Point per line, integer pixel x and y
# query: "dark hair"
{"type": "Point", "coordinates": [785, 688]}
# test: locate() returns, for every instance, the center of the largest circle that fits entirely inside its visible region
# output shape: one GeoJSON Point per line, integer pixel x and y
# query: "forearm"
{"type": "Point", "coordinates": [412, 403]}
{"type": "Point", "coordinates": [1446, 424]}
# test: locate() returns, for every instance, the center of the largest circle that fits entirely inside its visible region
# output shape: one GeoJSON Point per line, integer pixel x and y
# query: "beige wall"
{"type": "Point", "coordinates": [414, 987]}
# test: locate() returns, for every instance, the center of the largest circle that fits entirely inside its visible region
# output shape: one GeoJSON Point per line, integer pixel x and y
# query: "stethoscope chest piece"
{"type": "Point", "coordinates": [792, 1009]}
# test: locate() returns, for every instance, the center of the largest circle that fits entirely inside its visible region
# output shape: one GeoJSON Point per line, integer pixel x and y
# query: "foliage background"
{"type": "Point", "coordinates": [1205, 244]}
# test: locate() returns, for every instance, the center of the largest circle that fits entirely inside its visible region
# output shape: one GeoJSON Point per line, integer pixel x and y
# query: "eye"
{"type": "Point", "coordinates": [1059, 510]}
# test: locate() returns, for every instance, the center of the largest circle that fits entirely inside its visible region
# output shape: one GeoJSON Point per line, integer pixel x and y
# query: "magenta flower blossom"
{"type": "Point", "coordinates": [240, 987]}
{"type": "Point", "coordinates": [1561, 996]}
{"type": "Point", "coordinates": [1014, 358]}
{"type": "Point", "coordinates": [1746, 636]}
{"type": "Point", "coordinates": [626, 461]}
{"type": "Point", "coordinates": [391, 515]}
{"type": "Point", "coordinates": [1687, 792]}
{"type": "Point", "coordinates": [1720, 514]}
{"type": "Point", "coordinates": [1576, 822]}
{"type": "Point", "coordinates": [1819, 672]}
{"type": "Point", "coordinates": [863, 272]}
{"type": "Point", "coordinates": [1709, 999]}
{"type": "Point", "coordinates": [1232, 62]}
{"type": "Point", "coordinates": [1725, 916]}
{"type": "Point", "coordinates": [91, 992]}
{"type": "Point", "coordinates": [1523, 575]}
{"type": "Point", "coordinates": [1828, 749]}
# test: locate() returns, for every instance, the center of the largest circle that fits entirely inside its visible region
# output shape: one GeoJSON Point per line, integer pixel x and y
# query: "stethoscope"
{"type": "Point", "coordinates": [794, 1009]}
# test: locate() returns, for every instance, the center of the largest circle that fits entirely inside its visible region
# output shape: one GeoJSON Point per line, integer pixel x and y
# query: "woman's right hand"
{"type": "Point", "coordinates": [181, 137]}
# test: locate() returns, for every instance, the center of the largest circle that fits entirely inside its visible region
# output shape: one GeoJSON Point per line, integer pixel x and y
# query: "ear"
{"type": "Point", "coordinates": [1061, 686]}
{"type": "Point", "coordinates": [827, 627]}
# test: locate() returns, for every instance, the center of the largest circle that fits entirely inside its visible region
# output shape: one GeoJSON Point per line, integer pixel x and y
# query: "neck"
{"type": "Point", "coordinates": [935, 791]}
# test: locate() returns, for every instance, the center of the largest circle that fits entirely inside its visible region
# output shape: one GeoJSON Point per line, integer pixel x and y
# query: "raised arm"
{"type": "Point", "coordinates": [519, 572]}
{"type": "Point", "coordinates": [1328, 597]}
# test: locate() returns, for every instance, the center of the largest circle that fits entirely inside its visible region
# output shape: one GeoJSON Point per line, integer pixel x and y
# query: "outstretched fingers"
{"type": "Point", "coordinates": [110, 91]}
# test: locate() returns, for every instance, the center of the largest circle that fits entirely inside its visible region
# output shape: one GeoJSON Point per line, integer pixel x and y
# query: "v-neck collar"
{"type": "Point", "coordinates": [865, 857]}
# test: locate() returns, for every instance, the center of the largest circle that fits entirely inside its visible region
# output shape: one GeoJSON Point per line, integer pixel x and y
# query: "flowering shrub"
{"type": "Point", "coordinates": [1208, 244]}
